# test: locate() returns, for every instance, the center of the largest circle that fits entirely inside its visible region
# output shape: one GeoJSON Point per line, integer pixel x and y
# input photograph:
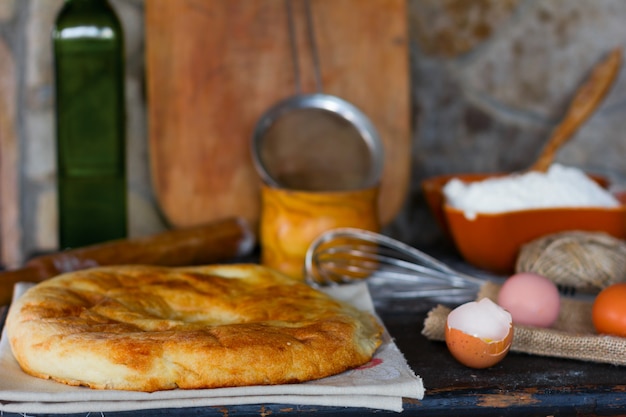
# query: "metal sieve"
{"type": "Point", "coordinates": [317, 141]}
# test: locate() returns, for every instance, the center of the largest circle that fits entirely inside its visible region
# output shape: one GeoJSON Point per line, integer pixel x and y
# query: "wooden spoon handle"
{"type": "Point", "coordinates": [587, 99]}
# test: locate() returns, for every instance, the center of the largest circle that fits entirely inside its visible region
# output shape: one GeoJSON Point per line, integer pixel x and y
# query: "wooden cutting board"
{"type": "Point", "coordinates": [215, 66]}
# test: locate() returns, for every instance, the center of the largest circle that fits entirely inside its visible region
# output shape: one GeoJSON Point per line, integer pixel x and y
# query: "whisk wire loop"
{"type": "Point", "coordinates": [347, 255]}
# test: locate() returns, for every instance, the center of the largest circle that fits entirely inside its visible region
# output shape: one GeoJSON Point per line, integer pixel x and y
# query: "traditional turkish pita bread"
{"type": "Point", "coordinates": [149, 328]}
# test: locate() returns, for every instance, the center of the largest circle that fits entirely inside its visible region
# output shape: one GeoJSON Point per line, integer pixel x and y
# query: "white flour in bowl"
{"type": "Point", "coordinates": [560, 186]}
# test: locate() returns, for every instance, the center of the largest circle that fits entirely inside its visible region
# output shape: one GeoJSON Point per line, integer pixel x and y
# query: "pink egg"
{"type": "Point", "coordinates": [532, 299]}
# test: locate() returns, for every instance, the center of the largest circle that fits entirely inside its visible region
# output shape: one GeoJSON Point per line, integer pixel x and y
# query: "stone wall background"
{"type": "Point", "coordinates": [490, 79]}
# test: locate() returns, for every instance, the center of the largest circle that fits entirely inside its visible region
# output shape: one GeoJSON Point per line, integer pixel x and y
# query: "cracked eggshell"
{"type": "Point", "coordinates": [479, 333]}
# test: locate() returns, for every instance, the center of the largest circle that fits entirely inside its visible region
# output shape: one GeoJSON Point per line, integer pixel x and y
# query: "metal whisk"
{"type": "Point", "coordinates": [397, 270]}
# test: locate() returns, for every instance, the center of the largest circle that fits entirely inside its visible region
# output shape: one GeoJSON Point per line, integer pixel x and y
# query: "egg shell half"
{"type": "Point", "coordinates": [479, 334]}
{"type": "Point", "coordinates": [474, 352]}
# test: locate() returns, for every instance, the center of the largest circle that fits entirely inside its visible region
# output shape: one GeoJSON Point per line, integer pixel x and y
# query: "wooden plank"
{"type": "Point", "coordinates": [214, 67]}
{"type": "Point", "coordinates": [11, 253]}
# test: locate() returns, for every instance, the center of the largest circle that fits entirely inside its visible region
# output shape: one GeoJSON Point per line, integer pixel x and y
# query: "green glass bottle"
{"type": "Point", "coordinates": [88, 45]}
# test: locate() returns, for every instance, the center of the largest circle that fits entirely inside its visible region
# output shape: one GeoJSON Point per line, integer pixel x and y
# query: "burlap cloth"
{"type": "Point", "coordinates": [572, 336]}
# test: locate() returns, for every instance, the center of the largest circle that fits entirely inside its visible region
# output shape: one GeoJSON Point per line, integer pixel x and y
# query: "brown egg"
{"type": "Point", "coordinates": [479, 334]}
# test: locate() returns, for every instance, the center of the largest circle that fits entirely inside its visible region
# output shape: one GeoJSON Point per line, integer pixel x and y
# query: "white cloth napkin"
{"type": "Point", "coordinates": [380, 384]}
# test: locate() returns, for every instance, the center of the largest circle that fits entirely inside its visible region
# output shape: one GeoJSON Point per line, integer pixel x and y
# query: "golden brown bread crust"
{"type": "Point", "coordinates": [149, 328]}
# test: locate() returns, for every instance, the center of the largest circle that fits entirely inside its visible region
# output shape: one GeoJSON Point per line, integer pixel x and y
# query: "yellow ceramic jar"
{"type": "Point", "coordinates": [291, 220]}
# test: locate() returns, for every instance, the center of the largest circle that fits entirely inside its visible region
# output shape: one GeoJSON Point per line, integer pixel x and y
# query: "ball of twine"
{"type": "Point", "coordinates": [585, 261]}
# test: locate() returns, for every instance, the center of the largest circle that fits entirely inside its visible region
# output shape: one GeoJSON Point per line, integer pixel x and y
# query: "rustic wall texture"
{"type": "Point", "coordinates": [490, 79]}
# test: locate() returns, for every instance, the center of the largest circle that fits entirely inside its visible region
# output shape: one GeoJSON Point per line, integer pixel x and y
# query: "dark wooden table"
{"type": "Point", "coordinates": [521, 385]}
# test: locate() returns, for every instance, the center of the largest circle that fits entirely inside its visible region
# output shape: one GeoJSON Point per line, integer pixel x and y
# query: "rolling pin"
{"type": "Point", "coordinates": [214, 242]}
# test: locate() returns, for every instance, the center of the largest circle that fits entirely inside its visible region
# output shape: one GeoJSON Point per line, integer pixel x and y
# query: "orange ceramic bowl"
{"type": "Point", "coordinates": [435, 199]}
{"type": "Point", "coordinates": [492, 241]}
